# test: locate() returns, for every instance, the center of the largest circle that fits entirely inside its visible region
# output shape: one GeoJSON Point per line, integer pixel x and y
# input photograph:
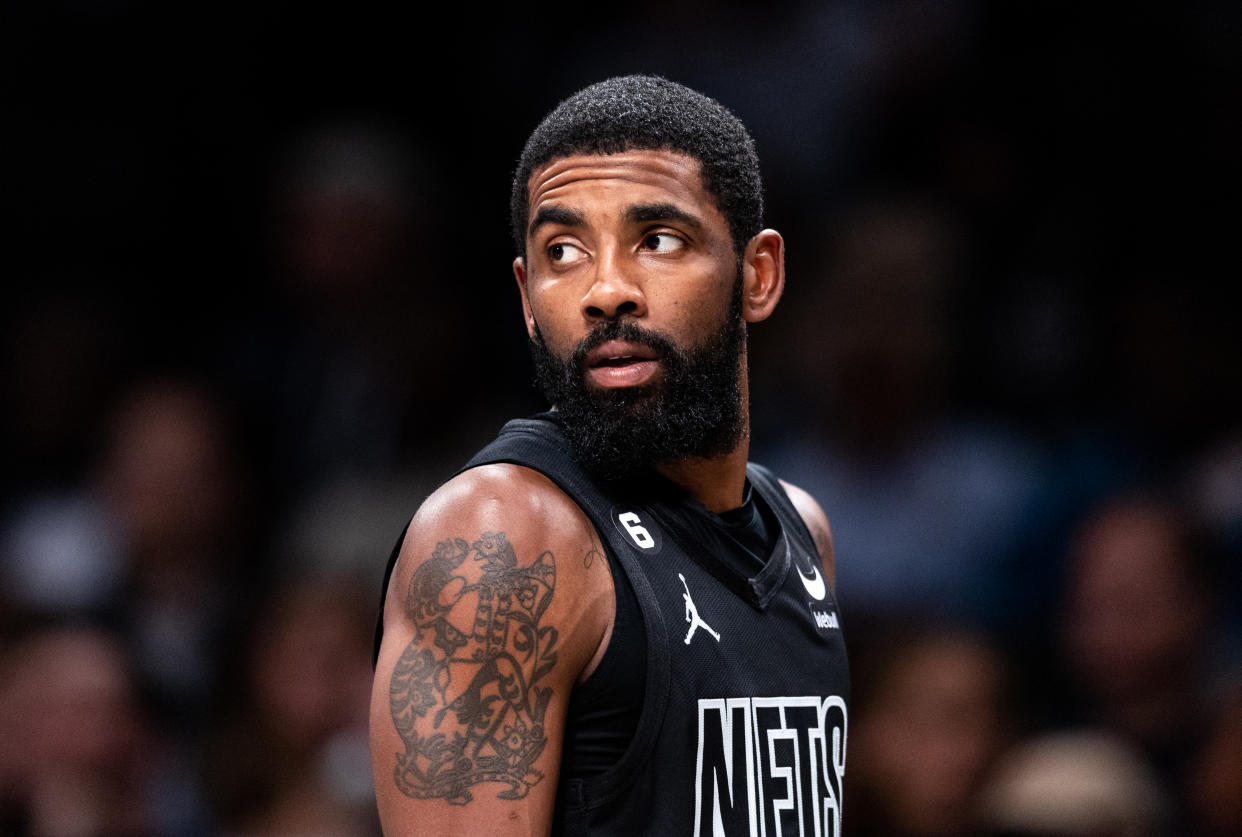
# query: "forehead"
{"type": "Point", "coordinates": [641, 176]}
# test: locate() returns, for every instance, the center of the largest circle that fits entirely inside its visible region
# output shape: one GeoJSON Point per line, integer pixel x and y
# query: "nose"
{"type": "Point", "coordinates": [613, 292]}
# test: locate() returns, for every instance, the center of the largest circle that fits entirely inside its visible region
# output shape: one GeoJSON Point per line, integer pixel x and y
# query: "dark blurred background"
{"type": "Point", "coordinates": [259, 303]}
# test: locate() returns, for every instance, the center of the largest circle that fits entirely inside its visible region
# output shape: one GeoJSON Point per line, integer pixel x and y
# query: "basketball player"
{"type": "Point", "coordinates": [608, 622]}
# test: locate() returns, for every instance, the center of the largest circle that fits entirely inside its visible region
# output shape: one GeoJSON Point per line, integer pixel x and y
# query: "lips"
{"type": "Point", "coordinates": [621, 363]}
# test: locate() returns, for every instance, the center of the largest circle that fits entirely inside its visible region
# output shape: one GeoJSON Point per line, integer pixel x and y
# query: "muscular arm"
{"type": "Point", "coordinates": [497, 604]}
{"type": "Point", "coordinates": [817, 522]}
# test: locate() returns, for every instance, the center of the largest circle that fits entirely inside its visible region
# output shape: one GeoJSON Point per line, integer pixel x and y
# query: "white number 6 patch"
{"type": "Point", "coordinates": [632, 525]}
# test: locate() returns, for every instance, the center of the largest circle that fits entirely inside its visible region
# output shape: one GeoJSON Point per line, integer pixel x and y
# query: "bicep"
{"type": "Point", "coordinates": [481, 647]}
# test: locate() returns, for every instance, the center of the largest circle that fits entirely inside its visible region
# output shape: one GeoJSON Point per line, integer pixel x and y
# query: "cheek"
{"type": "Point", "coordinates": [559, 330]}
{"type": "Point", "coordinates": [698, 311]}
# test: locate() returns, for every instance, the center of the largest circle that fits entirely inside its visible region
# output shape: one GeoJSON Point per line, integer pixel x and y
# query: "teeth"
{"type": "Point", "coordinates": [617, 361]}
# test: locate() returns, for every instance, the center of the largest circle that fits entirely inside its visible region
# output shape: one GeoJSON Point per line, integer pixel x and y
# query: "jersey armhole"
{"type": "Point", "coordinates": [776, 494]}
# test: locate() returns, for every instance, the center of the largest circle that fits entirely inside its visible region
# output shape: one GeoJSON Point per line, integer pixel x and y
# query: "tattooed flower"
{"type": "Point", "coordinates": [519, 740]}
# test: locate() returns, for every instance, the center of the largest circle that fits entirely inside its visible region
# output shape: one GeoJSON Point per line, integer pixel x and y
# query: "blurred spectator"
{"type": "Point", "coordinates": [1079, 784]}
{"type": "Point", "coordinates": [1137, 636]}
{"type": "Point", "coordinates": [77, 758]}
{"type": "Point", "coordinates": [931, 710]}
{"type": "Point", "coordinates": [338, 366]}
{"type": "Point", "coordinates": [1214, 788]}
{"type": "Point", "coordinates": [172, 481]}
{"type": "Point", "coordinates": [1214, 490]}
{"type": "Point", "coordinates": [350, 370]}
{"type": "Point", "coordinates": [290, 755]}
{"type": "Point", "coordinates": [1138, 606]}
{"type": "Point", "coordinates": [153, 542]}
{"type": "Point", "coordinates": [927, 505]}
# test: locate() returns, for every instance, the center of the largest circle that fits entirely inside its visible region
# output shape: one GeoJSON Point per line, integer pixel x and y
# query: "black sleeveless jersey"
{"type": "Point", "coordinates": [744, 715]}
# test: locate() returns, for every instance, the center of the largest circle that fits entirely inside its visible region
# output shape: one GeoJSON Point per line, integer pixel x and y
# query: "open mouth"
{"type": "Point", "coordinates": [620, 363]}
{"type": "Point", "coordinates": [623, 360]}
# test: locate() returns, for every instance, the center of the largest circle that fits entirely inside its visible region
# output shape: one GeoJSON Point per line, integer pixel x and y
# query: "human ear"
{"type": "Point", "coordinates": [519, 273]}
{"type": "Point", "coordinates": [763, 275]}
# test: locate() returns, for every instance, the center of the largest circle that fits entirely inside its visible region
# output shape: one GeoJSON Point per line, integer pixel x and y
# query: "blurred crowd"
{"type": "Point", "coordinates": [260, 304]}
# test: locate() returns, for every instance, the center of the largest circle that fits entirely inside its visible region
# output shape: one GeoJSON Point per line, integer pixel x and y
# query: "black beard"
{"type": "Point", "coordinates": [694, 409]}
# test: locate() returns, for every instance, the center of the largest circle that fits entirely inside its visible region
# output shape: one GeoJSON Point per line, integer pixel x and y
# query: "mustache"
{"type": "Point", "coordinates": [627, 331]}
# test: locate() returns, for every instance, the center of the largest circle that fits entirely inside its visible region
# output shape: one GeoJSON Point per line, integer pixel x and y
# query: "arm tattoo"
{"type": "Point", "coordinates": [596, 551]}
{"type": "Point", "coordinates": [464, 695]}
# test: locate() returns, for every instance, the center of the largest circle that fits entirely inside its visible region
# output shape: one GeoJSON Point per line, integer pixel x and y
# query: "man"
{"type": "Point", "coordinates": [607, 622]}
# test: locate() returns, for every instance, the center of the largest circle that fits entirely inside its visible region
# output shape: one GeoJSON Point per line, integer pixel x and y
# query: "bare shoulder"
{"type": "Point", "coordinates": [500, 597]}
{"type": "Point", "coordinates": [525, 514]}
{"type": "Point", "coordinates": [817, 522]}
{"type": "Point", "coordinates": [525, 501]}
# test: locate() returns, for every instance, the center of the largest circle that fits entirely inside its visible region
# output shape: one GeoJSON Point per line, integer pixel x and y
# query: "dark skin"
{"type": "Point", "coordinates": [501, 601]}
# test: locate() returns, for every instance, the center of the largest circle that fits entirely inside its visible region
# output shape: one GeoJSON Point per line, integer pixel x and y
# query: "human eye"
{"type": "Point", "coordinates": [563, 253]}
{"type": "Point", "coordinates": [662, 242]}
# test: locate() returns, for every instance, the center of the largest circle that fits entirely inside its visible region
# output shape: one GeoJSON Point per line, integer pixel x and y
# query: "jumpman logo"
{"type": "Point", "coordinates": [692, 614]}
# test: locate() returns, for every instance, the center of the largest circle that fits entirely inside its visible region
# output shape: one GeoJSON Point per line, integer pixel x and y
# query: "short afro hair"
{"type": "Point", "coordinates": [639, 112]}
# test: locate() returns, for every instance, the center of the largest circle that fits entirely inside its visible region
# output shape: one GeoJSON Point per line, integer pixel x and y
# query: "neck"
{"type": "Point", "coordinates": [718, 483]}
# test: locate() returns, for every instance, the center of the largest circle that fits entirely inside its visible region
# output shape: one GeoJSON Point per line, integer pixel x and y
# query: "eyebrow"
{"type": "Point", "coordinates": [555, 215]}
{"type": "Point", "coordinates": [647, 212]}
{"type": "Point", "coordinates": [643, 213]}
